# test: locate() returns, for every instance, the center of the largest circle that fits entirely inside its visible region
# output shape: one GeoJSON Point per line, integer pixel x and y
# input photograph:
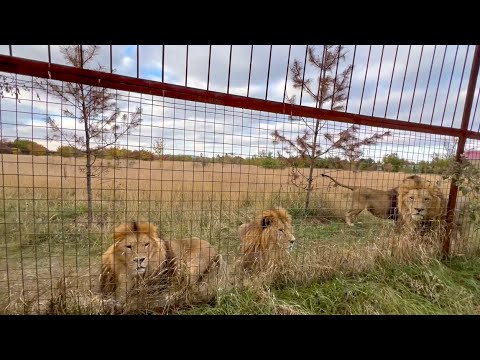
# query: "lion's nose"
{"type": "Point", "coordinates": [292, 242]}
{"type": "Point", "coordinates": [418, 210]}
{"type": "Point", "coordinates": [139, 260]}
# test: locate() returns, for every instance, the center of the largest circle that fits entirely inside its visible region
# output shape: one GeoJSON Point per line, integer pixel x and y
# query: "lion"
{"type": "Point", "coordinates": [380, 203]}
{"type": "Point", "coordinates": [268, 238]}
{"type": "Point", "coordinates": [139, 255]}
{"type": "Point", "coordinates": [421, 206]}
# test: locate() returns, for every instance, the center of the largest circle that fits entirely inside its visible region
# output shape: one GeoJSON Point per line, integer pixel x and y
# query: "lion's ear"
{"type": "Point", "coordinates": [153, 231]}
{"type": "Point", "coordinates": [441, 198]}
{"type": "Point", "coordinates": [134, 226]}
{"type": "Point", "coordinates": [267, 221]}
{"type": "Point", "coordinates": [121, 231]}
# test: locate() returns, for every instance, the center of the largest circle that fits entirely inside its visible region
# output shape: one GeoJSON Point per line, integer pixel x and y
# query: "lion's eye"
{"type": "Point", "coordinates": [128, 246]}
{"type": "Point", "coordinates": [410, 197]}
{"type": "Point", "coordinates": [147, 244]}
{"type": "Point", "coordinates": [281, 230]}
{"type": "Point", "coordinates": [427, 199]}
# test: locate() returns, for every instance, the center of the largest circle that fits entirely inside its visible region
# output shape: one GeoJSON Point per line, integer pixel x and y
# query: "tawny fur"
{"type": "Point", "coordinates": [380, 203]}
{"type": "Point", "coordinates": [421, 206]}
{"type": "Point", "coordinates": [267, 239]}
{"type": "Point", "coordinates": [139, 255]}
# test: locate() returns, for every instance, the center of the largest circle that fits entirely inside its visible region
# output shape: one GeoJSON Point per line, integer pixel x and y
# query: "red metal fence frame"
{"type": "Point", "coordinates": [42, 69]}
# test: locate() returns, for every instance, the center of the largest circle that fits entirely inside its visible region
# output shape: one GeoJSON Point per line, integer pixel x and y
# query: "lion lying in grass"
{"type": "Point", "coordinates": [267, 239]}
{"type": "Point", "coordinates": [139, 256]}
{"type": "Point", "coordinates": [380, 203]}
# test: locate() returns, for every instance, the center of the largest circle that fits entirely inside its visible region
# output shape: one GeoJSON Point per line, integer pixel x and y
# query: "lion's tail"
{"type": "Point", "coordinates": [339, 184]}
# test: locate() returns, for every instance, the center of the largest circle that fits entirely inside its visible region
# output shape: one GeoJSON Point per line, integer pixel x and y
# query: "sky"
{"type": "Point", "coordinates": [422, 84]}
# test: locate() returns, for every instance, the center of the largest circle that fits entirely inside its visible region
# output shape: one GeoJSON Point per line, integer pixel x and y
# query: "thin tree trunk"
{"type": "Point", "coordinates": [89, 162]}
{"type": "Point", "coordinates": [313, 157]}
{"type": "Point", "coordinates": [309, 187]}
{"type": "Point", "coordinates": [89, 185]}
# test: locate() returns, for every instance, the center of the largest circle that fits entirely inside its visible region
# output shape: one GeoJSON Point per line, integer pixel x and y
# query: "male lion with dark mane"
{"type": "Point", "coordinates": [267, 239]}
{"type": "Point", "coordinates": [380, 203]}
{"type": "Point", "coordinates": [421, 206]}
{"type": "Point", "coordinates": [139, 255]}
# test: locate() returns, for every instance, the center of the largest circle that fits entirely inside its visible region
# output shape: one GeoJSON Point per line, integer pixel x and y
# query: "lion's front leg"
{"type": "Point", "coordinates": [124, 285]}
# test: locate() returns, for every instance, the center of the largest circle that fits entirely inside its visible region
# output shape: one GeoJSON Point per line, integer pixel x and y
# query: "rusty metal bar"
{"type": "Point", "coordinates": [391, 81]}
{"type": "Point", "coordinates": [321, 76]}
{"type": "Point", "coordinates": [351, 75]}
{"type": "Point", "coordinates": [138, 61]}
{"type": "Point", "coordinates": [81, 55]}
{"type": "Point", "coordinates": [438, 85]}
{"type": "Point", "coordinates": [209, 61]}
{"type": "Point", "coordinates": [336, 73]}
{"type": "Point", "coordinates": [186, 68]}
{"type": "Point", "coordinates": [304, 71]}
{"type": "Point", "coordinates": [415, 86]}
{"type": "Point", "coordinates": [404, 78]}
{"type": "Point", "coordinates": [250, 71]}
{"type": "Point", "coordinates": [378, 80]}
{"type": "Point", "coordinates": [268, 71]}
{"type": "Point", "coordinates": [452, 198]}
{"type": "Point", "coordinates": [450, 84]}
{"type": "Point", "coordinates": [460, 85]}
{"type": "Point", "coordinates": [163, 63]}
{"type": "Point", "coordinates": [365, 79]}
{"type": "Point", "coordinates": [120, 82]}
{"type": "Point", "coordinates": [428, 82]}
{"type": "Point", "coordinates": [286, 74]}
{"type": "Point", "coordinates": [229, 69]}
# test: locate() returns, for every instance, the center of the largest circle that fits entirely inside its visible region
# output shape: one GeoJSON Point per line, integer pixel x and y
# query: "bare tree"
{"type": "Point", "coordinates": [9, 85]}
{"type": "Point", "coordinates": [352, 145]}
{"type": "Point", "coordinates": [328, 90]}
{"type": "Point", "coordinates": [158, 147]}
{"type": "Point", "coordinates": [95, 109]}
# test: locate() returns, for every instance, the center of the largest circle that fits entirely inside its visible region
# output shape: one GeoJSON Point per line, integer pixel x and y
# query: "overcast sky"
{"type": "Point", "coordinates": [427, 89]}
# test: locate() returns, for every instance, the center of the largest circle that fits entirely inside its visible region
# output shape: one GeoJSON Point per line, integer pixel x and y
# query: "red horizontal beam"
{"type": "Point", "coordinates": [96, 78]}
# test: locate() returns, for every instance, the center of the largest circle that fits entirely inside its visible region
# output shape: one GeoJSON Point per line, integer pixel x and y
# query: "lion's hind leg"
{"type": "Point", "coordinates": [350, 214]}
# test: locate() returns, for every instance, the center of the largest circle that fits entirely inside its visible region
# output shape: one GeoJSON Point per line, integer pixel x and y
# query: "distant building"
{"type": "Point", "coordinates": [472, 154]}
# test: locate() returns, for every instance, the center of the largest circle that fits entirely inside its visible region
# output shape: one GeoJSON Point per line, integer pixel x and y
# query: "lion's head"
{"type": "Point", "coordinates": [136, 254]}
{"type": "Point", "coordinates": [267, 238]}
{"type": "Point", "coordinates": [140, 257]}
{"type": "Point", "coordinates": [420, 204]}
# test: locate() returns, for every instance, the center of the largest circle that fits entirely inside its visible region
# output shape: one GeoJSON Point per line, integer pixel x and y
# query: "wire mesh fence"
{"type": "Point", "coordinates": [80, 157]}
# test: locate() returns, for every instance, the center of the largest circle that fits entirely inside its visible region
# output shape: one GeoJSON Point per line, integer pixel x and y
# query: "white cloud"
{"type": "Point", "coordinates": [195, 127]}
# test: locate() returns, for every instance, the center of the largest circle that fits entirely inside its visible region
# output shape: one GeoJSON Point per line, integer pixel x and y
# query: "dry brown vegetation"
{"type": "Point", "coordinates": [45, 244]}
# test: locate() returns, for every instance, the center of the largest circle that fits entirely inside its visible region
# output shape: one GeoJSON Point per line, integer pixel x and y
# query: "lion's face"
{"type": "Point", "coordinates": [140, 253]}
{"type": "Point", "coordinates": [422, 204]}
{"type": "Point", "coordinates": [278, 226]}
{"type": "Point", "coordinates": [285, 235]}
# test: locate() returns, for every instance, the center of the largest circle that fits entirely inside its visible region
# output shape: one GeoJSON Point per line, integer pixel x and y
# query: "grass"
{"type": "Point", "coordinates": [430, 288]}
{"type": "Point", "coordinates": [46, 251]}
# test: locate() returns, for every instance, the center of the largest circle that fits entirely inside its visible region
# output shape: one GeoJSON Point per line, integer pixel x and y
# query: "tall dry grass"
{"type": "Point", "coordinates": [50, 261]}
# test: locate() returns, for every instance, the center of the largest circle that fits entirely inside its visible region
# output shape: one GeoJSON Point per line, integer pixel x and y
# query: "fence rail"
{"type": "Point", "coordinates": [198, 154]}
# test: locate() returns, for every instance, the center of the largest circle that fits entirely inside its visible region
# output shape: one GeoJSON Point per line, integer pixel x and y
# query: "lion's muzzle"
{"type": "Point", "coordinates": [418, 214]}
{"type": "Point", "coordinates": [141, 268]}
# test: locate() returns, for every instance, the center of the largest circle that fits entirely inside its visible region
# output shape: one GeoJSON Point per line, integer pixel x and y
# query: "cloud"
{"type": "Point", "coordinates": [422, 85]}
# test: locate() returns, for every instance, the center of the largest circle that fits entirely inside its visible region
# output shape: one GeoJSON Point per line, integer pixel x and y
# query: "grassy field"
{"type": "Point", "coordinates": [418, 288]}
{"type": "Point", "coordinates": [44, 238]}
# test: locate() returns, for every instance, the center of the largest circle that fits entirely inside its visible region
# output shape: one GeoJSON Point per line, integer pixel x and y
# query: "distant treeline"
{"type": "Point", "coordinates": [390, 163]}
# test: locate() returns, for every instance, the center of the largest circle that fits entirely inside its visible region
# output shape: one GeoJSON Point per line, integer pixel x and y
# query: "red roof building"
{"type": "Point", "coordinates": [472, 154]}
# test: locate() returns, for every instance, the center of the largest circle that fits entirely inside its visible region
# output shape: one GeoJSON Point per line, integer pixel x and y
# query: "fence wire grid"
{"type": "Point", "coordinates": [199, 140]}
